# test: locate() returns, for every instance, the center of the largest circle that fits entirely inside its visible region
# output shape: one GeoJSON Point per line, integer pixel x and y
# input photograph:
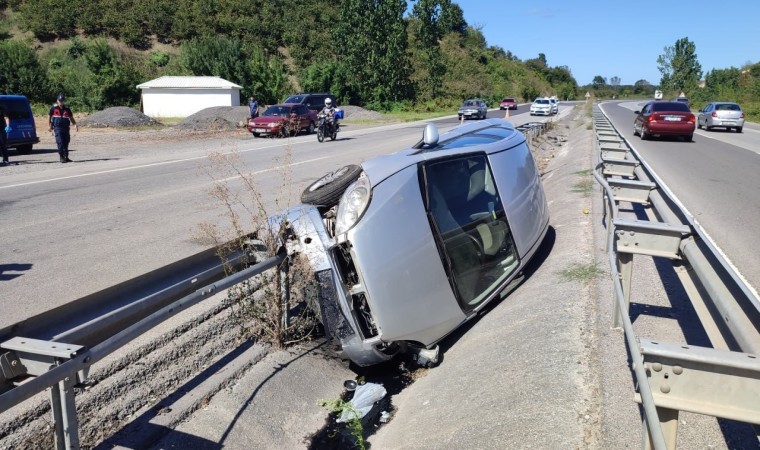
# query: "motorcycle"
{"type": "Point", "coordinates": [327, 126]}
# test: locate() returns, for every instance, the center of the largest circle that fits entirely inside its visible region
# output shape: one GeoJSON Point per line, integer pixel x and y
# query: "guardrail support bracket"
{"type": "Point", "coordinates": [649, 238]}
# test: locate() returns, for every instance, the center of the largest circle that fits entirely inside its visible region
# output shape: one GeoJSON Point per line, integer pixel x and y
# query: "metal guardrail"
{"type": "Point", "coordinates": [723, 381]}
{"type": "Point", "coordinates": [37, 354]}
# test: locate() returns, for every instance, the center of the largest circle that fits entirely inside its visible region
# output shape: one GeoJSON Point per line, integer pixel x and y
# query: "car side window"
{"type": "Point", "coordinates": [470, 224]}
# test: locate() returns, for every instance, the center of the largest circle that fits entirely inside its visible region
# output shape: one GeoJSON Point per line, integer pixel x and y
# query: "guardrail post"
{"type": "Point", "coordinates": [62, 403]}
{"type": "Point", "coordinates": [668, 425]}
{"type": "Point", "coordinates": [625, 271]}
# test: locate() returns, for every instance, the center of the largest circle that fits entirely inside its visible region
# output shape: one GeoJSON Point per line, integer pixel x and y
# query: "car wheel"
{"type": "Point", "coordinates": [24, 149]}
{"type": "Point", "coordinates": [738, 130]}
{"type": "Point", "coordinates": [256, 134]}
{"type": "Point", "coordinates": [699, 125]}
{"type": "Point", "coordinates": [707, 127]}
{"type": "Point", "coordinates": [635, 132]}
{"type": "Point", "coordinates": [644, 135]}
{"type": "Point", "coordinates": [327, 190]}
{"type": "Point", "coordinates": [311, 128]}
{"type": "Point", "coordinates": [689, 137]}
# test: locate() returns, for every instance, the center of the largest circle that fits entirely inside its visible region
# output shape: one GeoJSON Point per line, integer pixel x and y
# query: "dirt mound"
{"type": "Point", "coordinates": [118, 117]}
{"type": "Point", "coordinates": [359, 113]}
{"type": "Point", "coordinates": [217, 118]}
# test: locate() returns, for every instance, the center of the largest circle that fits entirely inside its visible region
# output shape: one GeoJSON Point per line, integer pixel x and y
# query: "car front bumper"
{"type": "Point", "coordinates": [335, 309]}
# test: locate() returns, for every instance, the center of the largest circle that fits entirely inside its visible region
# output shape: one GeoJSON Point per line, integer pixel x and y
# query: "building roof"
{"type": "Point", "coordinates": [189, 83]}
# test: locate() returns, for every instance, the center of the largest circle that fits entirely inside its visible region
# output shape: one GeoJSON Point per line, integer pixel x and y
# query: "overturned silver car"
{"type": "Point", "coordinates": [409, 246]}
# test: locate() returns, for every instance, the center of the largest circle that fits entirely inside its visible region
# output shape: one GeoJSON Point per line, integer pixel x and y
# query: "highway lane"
{"type": "Point", "coordinates": [75, 229]}
{"type": "Point", "coordinates": [715, 178]}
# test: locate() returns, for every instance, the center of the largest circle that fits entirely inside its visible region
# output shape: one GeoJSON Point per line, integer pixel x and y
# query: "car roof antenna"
{"type": "Point", "coordinates": [429, 137]}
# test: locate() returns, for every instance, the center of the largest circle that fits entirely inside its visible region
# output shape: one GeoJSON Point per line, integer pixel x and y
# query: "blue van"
{"type": "Point", "coordinates": [23, 133]}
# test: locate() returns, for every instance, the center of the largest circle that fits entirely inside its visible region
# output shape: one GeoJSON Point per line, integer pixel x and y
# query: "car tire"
{"type": "Point", "coordinates": [738, 129]}
{"type": "Point", "coordinates": [644, 135]}
{"type": "Point", "coordinates": [328, 189]}
{"type": "Point", "coordinates": [635, 133]}
{"type": "Point", "coordinates": [699, 125]}
{"type": "Point", "coordinates": [256, 134]}
{"type": "Point", "coordinates": [689, 137]}
{"type": "Point", "coordinates": [24, 149]}
{"type": "Point", "coordinates": [707, 127]}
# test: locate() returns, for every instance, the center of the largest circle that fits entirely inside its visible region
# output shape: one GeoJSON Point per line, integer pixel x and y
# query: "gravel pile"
{"type": "Point", "coordinates": [118, 117]}
{"type": "Point", "coordinates": [359, 113]}
{"type": "Point", "coordinates": [217, 118]}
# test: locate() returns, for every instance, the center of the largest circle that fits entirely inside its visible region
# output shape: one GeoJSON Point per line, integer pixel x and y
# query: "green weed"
{"type": "Point", "coordinates": [582, 272]}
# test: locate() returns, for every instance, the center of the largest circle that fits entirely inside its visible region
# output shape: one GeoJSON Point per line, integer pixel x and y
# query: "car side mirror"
{"type": "Point", "coordinates": [430, 135]}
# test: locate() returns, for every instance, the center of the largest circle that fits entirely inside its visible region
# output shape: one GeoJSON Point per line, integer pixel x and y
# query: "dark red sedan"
{"type": "Point", "coordinates": [508, 103]}
{"type": "Point", "coordinates": [283, 119]}
{"type": "Point", "coordinates": [664, 119]}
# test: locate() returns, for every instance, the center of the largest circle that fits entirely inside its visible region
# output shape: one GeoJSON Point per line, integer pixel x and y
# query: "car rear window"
{"type": "Point", "coordinates": [16, 109]}
{"type": "Point", "coordinates": [728, 107]}
{"type": "Point", "coordinates": [670, 106]}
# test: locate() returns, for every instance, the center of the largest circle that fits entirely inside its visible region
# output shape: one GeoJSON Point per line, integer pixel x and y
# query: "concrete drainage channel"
{"type": "Point", "coordinates": [139, 397]}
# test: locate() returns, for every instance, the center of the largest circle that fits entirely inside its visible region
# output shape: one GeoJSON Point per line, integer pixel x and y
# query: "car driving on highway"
{"type": "Point", "coordinates": [473, 109]}
{"type": "Point", "coordinates": [541, 107]}
{"type": "Point", "coordinates": [409, 246]}
{"type": "Point", "coordinates": [508, 103]}
{"type": "Point", "coordinates": [726, 115]}
{"type": "Point", "coordinates": [658, 118]}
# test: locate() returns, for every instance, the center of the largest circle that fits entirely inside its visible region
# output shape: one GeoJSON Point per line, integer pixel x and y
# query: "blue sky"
{"type": "Point", "coordinates": [619, 38]}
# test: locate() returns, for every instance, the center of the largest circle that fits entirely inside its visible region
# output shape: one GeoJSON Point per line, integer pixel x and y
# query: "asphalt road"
{"type": "Point", "coordinates": [714, 177]}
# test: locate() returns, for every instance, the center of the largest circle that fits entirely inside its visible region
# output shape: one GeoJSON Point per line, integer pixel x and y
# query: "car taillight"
{"type": "Point", "coordinates": [692, 118]}
{"type": "Point", "coordinates": [653, 117]}
{"type": "Point", "coordinates": [741, 116]}
{"type": "Point", "coordinates": [714, 114]}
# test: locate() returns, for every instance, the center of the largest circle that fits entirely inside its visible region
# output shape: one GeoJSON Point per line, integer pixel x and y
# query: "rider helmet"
{"type": "Point", "coordinates": [328, 102]}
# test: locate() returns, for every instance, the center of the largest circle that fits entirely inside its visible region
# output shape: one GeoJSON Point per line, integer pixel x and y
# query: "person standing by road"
{"type": "Point", "coordinates": [60, 119]}
{"type": "Point", "coordinates": [253, 107]}
{"type": "Point", "coordinates": [4, 134]}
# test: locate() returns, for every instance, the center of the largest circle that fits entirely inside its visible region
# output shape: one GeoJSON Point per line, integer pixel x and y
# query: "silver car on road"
{"type": "Point", "coordinates": [409, 246]}
{"type": "Point", "coordinates": [473, 109]}
{"type": "Point", "coordinates": [726, 115]}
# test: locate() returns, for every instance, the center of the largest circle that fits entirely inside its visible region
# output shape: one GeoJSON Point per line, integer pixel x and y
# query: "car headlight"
{"type": "Point", "coordinates": [352, 204]}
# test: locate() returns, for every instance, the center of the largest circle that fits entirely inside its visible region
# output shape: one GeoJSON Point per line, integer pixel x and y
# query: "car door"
{"type": "Point", "coordinates": [638, 123]}
{"type": "Point", "coordinates": [704, 114]}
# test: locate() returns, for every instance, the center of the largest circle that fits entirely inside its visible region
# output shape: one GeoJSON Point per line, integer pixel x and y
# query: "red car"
{"type": "Point", "coordinates": [664, 119]}
{"type": "Point", "coordinates": [283, 119]}
{"type": "Point", "coordinates": [508, 103]}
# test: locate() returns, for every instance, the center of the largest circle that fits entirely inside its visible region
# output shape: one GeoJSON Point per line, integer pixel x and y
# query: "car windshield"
{"type": "Point", "coordinates": [470, 103]}
{"type": "Point", "coordinates": [670, 106]}
{"type": "Point", "coordinates": [542, 101]}
{"type": "Point", "coordinates": [277, 110]}
{"type": "Point", "coordinates": [508, 100]}
{"type": "Point", "coordinates": [295, 99]}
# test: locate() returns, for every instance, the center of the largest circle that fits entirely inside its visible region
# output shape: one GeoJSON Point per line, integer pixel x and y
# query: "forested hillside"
{"type": "Point", "coordinates": [367, 52]}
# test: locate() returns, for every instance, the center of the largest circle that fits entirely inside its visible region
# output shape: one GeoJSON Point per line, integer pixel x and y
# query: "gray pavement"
{"type": "Point", "coordinates": [522, 376]}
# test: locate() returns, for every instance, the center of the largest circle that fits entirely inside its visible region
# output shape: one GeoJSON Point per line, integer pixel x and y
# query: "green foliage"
{"type": "Point", "coordinates": [27, 77]}
{"type": "Point", "coordinates": [679, 67]}
{"type": "Point", "coordinates": [371, 43]}
{"type": "Point", "coordinates": [47, 19]}
{"type": "Point", "coordinates": [159, 59]}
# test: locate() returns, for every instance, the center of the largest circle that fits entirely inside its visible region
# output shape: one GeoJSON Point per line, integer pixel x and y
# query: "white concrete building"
{"type": "Point", "coordinates": [184, 96]}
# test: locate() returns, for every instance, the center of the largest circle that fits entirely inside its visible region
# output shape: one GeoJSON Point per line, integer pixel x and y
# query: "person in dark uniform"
{"type": "Point", "coordinates": [60, 118]}
{"type": "Point", "coordinates": [4, 134]}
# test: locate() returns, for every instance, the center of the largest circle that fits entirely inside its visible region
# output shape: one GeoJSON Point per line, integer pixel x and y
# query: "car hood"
{"type": "Point", "coordinates": [266, 120]}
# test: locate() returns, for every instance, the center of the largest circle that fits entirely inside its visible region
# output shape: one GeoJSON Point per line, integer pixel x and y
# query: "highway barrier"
{"type": "Point", "coordinates": [722, 381]}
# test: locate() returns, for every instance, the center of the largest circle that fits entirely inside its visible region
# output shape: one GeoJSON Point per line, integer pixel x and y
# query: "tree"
{"type": "Point", "coordinates": [27, 77]}
{"type": "Point", "coordinates": [679, 67]}
{"type": "Point", "coordinates": [599, 82]}
{"type": "Point", "coordinates": [642, 87]}
{"type": "Point", "coordinates": [216, 56]}
{"type": "Point", "coordinates": [371, 45]}
{"type": "Point", "coordinates": [430, 21]}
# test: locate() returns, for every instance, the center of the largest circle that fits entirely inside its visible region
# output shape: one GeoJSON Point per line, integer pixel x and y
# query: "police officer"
{"type": "Point", "coordinates": [4, 134]}
{"type": "Point", "coordinates": [60, 118]}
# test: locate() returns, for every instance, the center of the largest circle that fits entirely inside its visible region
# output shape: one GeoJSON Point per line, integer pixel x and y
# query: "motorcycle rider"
{"type": "Point", "coordinates": [329, 112]}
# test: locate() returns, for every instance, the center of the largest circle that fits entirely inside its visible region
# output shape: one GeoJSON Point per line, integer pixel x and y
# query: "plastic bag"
{"type": "Point", "coordinates": [364, 397]}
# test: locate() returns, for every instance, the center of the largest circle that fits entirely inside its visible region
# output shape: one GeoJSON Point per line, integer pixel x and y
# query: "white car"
{"type": "Point", "coordinates": [555, 104]}
{"type": "Point", "coordinates": [541, 107]}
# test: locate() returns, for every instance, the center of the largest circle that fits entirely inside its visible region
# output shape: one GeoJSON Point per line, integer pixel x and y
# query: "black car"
{"type": "Point", "coordinates": [315, 101]}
